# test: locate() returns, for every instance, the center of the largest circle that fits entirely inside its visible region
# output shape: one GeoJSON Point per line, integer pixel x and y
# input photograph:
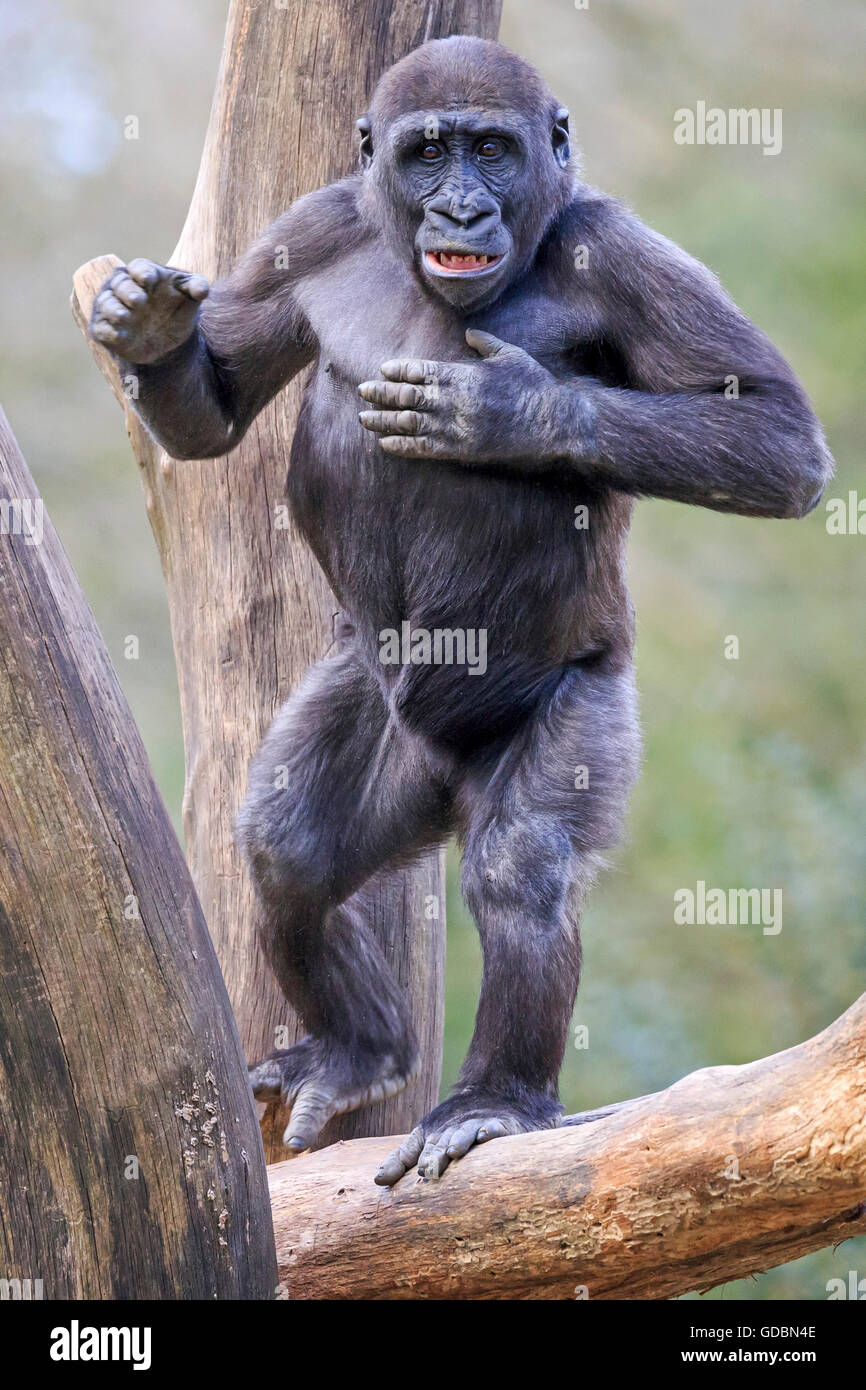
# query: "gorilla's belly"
{"type": "Point", "coordinates": [443, 547]}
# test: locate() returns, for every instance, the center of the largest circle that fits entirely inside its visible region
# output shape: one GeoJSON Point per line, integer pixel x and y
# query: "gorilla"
{"type": "Point", "coordinates": [528, 358]}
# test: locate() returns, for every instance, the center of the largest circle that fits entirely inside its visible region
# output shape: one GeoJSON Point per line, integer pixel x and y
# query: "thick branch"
{"type": "Point", "coordinates": [726, 1173]}
{"type": "Point", "coordinates": [130, 1163]}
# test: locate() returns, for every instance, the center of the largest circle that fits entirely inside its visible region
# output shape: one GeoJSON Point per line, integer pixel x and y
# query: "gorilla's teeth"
{"type": "Point", "coordinates": [458, 261]}
{"type": "Point", "coordinates": [455, 261]}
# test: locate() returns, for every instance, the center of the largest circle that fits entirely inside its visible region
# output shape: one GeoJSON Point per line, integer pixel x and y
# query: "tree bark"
{"type": "Point", "coordinates": [249, 607]}
{"type": "Point", "coordinates": [726, 1173]}
{"type": "Point", "coordinates": [130, 1161]}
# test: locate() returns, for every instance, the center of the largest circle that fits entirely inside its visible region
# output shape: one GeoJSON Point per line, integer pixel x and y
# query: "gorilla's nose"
{"type": "Point", "coordinates": [448, 214]}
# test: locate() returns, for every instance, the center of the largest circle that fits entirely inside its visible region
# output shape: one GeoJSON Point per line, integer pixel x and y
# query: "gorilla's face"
{"type": "Point", "coordinates": [460, 173]}
{"type": "Point", "coordinates": [469, 193]}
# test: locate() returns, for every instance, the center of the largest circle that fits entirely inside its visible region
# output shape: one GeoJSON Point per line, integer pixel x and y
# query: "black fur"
{"type": "Point", "coordinates": [451, 505]}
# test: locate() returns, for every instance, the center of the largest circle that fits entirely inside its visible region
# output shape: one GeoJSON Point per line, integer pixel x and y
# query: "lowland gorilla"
{"type": "Point", "coordinates": [523, 347]}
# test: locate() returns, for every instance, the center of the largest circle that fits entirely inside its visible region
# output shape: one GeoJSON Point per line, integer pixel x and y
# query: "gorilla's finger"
{"type": "Point", "coordinates": [104, 333]}
{"type": "Point", "coordinates": [434, 1158]}
{"type": "Point", "coordinates": [392, 421]}
{"type": "Point", "coordinates": [312, 1109]}
{"type": "Point", "coordinates": [486, 345]}
{"type": "Point", "coordinates": [103, 296]}
{"type": "Point", "coordinates": [112, 310]}
{"type": "Point", "coordinates": [416, 370]}
{"type": "Point", "coordinates": [145, 273]}
{"type": "Point", "coordinates": [396, 395]}
{"type": "Point", "coordinates": [128, 292]}
{"type": "Point", "coordinates": [413, 446]}
{"type": "Point", "coordinates": [195, 287]}
{"type": "Point", "coordinates": [116, 278]}
{"type": "Point", "coordinates": [401, 1160]}
{"type": "Point", "coordinates": [492, 1129]}
{"type": "Point", "coordinates": [462, 1139]}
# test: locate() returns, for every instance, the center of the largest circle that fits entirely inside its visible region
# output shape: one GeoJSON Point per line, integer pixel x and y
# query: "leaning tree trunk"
{"type": "Point", "coordinates": [723, 1175]}
{"type": "Point", "coordinates": [130, 1159]}
{"type": "Point", "coordinates": [249, 607]}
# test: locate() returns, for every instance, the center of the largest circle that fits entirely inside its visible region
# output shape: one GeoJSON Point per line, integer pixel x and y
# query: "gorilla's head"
{"type": "Point", "coordinates": [465, 154]}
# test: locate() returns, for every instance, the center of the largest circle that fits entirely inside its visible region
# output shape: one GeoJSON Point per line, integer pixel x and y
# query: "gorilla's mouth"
{"type": "Point", "coordinates": [457, 263]}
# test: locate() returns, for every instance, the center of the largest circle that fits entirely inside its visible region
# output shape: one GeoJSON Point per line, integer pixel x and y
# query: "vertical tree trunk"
{"type": "Point", "coordinates": [249, 607]}
{"type": "Point", "coordinates": [130, 1162]}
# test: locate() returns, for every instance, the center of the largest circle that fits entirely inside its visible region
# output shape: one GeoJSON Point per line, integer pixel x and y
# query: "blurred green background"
{"type": "Point", "coordinates": [754, 768]}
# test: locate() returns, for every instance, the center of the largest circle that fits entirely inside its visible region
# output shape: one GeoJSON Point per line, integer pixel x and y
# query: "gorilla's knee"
{"type": "Point", "coordinates": [281, 855]}
{"type": "Point", "coordinates": [523, 867]}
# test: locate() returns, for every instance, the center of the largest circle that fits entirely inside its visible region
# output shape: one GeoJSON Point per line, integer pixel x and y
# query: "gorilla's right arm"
{"type": "Point", "coordinates": [207, 359]}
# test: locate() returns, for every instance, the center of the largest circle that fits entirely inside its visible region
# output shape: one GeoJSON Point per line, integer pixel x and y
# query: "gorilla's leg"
{"type": "Point", "coordinates": [337, 792]}
{"type": "Point", "coordinates": [535, 820]}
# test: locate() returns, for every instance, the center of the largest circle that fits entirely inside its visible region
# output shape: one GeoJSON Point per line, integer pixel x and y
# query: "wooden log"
{"type": "Point", "coordinates": [726, 1173]}
{"type": "Point", "coordinates": [250, 609]}
{"type": "Point", "coordinates": [130, 1160]}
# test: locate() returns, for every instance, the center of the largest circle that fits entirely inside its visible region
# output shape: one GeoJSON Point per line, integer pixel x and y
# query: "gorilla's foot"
{"type": "Point", "coordinates": [471, 1116]}
{"type": "Point", "coordinates": [315, 1082]}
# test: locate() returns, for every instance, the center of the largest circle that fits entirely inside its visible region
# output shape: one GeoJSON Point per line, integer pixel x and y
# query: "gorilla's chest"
{"type": "Point", "coordinates": [363, 314]}
{"type": "Point", "coordinates": [388, 532]}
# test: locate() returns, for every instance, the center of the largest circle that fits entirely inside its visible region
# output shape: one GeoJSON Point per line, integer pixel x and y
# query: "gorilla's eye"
{"type": "Point", "coordinates": [430, 151]}
{"type": "Point", "coordinates": [491, 149]}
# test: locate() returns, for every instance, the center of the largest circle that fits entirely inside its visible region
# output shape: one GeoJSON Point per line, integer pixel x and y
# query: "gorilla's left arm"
{"type": "Point", "coordinates": [711, 413]}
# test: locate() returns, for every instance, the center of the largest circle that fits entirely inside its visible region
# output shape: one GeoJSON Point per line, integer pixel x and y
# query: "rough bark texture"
{"type": "Point", "coordinates": [249, 608]}
{"type": "Point", "coordinates": [130, 1161]}
{"type": "Point", "coordinates": [725, 1174]}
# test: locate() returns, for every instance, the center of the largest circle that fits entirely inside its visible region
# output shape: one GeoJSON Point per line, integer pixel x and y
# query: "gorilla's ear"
{"type": "Point", "coordinates": [365, 154]}
{"type": "Point", "coordinates": [559, 137]}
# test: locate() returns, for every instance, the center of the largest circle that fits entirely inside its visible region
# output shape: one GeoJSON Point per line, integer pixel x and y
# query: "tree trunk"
{"type": "Point", "coordinates": [249, 607]}
{"type": "Point", "coordinates": [130, 1162]}
{"type": "Point", "coordinates": [725, 1174]}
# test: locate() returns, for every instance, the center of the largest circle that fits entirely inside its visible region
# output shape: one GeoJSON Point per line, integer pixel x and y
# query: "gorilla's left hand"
{"type": "Point", "coordinates": [506, 407]}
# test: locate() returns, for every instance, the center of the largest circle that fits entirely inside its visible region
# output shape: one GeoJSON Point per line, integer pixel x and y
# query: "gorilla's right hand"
{"type": "Point", "coordinates": [145, 310]}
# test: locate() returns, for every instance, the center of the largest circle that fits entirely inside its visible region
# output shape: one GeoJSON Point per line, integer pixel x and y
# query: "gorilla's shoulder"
{"type": "Point", "coordinates": [615, 239]}
{"type": "Point", "coordinates": [625, 249]}
{"type": "Point", "coordinates": [592, 222]}
{"type": "Point", "coordinates": [335, 209]}
{"type": "Point", "coordinates": [338, 199]}
{"type": "Point", "coordinates": [594, 216]}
